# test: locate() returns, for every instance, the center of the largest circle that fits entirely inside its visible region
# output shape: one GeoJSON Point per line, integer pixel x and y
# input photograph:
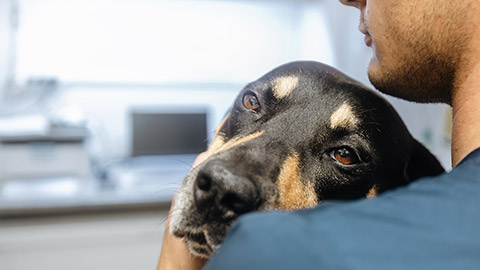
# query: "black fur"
{"type": "Point", "coordinates": [243, 178]}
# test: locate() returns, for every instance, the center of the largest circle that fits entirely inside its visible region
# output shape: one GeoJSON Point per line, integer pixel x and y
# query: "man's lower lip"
{"type": "Point", "coordinates": [368, 40]}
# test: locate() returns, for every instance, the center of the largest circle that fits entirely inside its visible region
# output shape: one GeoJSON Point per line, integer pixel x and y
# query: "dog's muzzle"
{"type": "Point", "coordinates": [221, 194]}
{"type": "Point", "coordinates": [212, 196]}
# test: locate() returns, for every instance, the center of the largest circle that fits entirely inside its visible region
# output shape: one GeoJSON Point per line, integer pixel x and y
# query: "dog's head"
{"type": "Point", "coordinates": [301, 134]}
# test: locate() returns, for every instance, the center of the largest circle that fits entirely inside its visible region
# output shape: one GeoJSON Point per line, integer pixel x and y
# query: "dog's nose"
{"type": "Point", "coordinates": [221, 194]}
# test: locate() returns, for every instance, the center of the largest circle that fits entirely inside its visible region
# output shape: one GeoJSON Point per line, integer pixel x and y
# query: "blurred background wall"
{"type": "Point", "coordinates": [5, 34]}
{"type": "Point", "coordinates": [87, 85]}
{"type": "Point", "coordinates": [128, 53]}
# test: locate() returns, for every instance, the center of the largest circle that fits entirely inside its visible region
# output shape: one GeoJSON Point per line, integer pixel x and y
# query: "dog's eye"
{"type": "Point", "coordinates": [250, 102]}
{"type": "Point", "coordinates": [345, 155]}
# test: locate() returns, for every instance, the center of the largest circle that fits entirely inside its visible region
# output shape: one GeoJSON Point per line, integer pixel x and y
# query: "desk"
{"type": "Point", "coordinates": [135, 184]}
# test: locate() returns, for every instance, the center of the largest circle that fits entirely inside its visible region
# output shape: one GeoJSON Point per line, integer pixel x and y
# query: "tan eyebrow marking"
{"type": "Point", "coordinates": [293, 192]}
{"type": "Point", "coordinates": [220, 144]}
{"type": "Point", "coordinates": [343, 117]}
{"type": "Point", "coordinates": [283, 86]}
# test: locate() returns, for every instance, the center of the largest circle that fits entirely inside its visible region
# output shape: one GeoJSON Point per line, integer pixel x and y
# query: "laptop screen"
{"type": "Point", "coordinates": [168, 133]}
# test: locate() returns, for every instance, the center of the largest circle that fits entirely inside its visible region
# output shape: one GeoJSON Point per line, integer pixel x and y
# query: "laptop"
{"type": "Point", "coordinates": [163, 146]}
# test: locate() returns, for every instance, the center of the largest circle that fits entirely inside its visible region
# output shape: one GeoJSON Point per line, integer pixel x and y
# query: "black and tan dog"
{"type": "Point", "coordinates": [301, 134]}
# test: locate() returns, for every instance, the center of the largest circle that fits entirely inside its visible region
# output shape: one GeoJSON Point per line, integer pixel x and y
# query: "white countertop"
{"type": "Point", "coordinates": [137, 184]}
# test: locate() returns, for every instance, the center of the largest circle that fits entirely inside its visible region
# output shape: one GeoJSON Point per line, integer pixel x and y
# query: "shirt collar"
{"type": "Point", "coordinates": [472, 158]}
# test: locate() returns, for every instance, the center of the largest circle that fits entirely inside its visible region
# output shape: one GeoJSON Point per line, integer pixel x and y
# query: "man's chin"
{"type": "Point", "coordinates": [407, 85]}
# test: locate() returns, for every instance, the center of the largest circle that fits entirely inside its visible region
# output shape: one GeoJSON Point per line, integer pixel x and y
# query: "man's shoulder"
{"type": "Point", "coordinates": [433, 222]}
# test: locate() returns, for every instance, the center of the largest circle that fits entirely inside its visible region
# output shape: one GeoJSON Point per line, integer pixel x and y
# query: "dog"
{"type": "Point", "coordinates": [301, 134]}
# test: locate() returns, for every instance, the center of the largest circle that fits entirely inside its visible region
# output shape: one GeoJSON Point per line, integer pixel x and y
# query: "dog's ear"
{"type": "Point", "coordinates": [422, 163]}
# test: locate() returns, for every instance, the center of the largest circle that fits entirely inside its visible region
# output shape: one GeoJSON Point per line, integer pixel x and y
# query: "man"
{"type": "Point", "coordinates": [424, 51]}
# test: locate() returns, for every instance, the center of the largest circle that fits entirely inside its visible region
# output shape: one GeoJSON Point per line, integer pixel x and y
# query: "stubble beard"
{"type": "Point", "coordinates": [422, 61]}
{"type": "Point", "coordinates": [423, 80]}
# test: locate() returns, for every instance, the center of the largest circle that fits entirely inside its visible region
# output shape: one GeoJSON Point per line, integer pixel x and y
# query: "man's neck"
{"type": "Point", "coordinates": [466, 114]}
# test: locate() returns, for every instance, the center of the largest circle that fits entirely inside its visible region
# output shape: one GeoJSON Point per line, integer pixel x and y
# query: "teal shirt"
{"type": "Point", "coordinates": [433, 223]}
